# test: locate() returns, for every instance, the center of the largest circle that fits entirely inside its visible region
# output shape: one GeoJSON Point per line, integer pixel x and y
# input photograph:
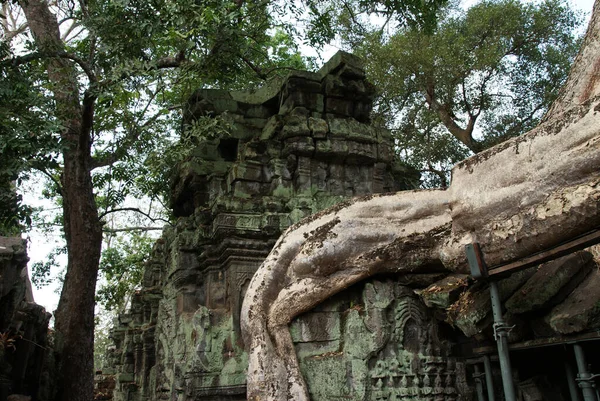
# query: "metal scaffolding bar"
{"type": "Point", "coordinates": [501, 330]}
{"type": "Point", "coordinates": [573, 390]}
{"type": "Point", "coordinates": [489, 380]}
{"type": "Point", "coordinates": [478, 382]}
{"type": "Point", "coordinates": [479, 270]}
{"type": "Point", "coordinates": [584, 378]}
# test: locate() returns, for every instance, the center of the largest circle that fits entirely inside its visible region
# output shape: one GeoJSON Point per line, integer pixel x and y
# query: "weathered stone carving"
{"type": "Point", "coordinates": [294, 148]}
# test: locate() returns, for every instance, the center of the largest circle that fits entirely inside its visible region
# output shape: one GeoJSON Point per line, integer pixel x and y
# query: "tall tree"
{"type": "Point", "coordinates": [483, 75]}
{"type": "Point", "coordinates": [109, 67]}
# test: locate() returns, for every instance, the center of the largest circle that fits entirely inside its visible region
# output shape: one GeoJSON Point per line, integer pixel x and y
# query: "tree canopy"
{"type": "Point", "coordinates": [484, 75]}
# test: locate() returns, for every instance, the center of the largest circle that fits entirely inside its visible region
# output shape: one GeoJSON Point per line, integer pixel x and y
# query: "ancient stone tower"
{"type": "Point", "coordinates": [293, 148]}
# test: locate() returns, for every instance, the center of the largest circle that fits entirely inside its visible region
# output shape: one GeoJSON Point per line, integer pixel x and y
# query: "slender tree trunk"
{"type": "Point", "coordinates": [74, 318]}
{"type": "Point", "coordinates": [74, 324]}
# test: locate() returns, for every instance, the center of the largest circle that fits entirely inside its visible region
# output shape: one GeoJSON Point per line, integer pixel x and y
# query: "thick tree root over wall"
{"type": "Point", "coordinates": [515, 199]}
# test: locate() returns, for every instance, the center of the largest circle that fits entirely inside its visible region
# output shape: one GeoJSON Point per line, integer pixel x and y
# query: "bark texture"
{"type": "Point", "coordinates": [74, 324]}
{"type": "Point", "coordinates": [524, 195]}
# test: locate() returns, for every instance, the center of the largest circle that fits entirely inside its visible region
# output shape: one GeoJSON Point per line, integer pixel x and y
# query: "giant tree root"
{"type": "Point", "coordinates": [515, 199]}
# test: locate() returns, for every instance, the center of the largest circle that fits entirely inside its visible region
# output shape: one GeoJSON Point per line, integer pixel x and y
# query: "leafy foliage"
{"type": "Point", "coordinates": [138, 61]}
{"type": "Point", "coordinates": [41, 271]}
{"type": "Point", "coordinates": [484, 75]}
{"type": "Point", "coordinates": [122, 267]}
{"type": "Point", "coordinates": [356, 17]}
{"type": "Point", "coordinates": [28, 140]}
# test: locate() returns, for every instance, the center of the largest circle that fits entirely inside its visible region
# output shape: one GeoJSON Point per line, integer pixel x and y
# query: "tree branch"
{"type": "Point", "coordinates": [132, 135]}
{"type": "Point", "coordinates": [128, 229]}
{"type": "Point", "coordinates": [69, 30]}
{"type": "Point", "coordinates": [87, 114]}
{"type": "Point", "coordinates": [133, 209]}
{"type": "Point", "coordinates": [440, 173]}
{"type": "Point", "coordinates": [50, 177]}
{"type": "Point", "coordinates": [16, 61]}
{"type": "Point", "coordinates": [462, 134]}
{"type": "Point", "coordinates": [254, 68]}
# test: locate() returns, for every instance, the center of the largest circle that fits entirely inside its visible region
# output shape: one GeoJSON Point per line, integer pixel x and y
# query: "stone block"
{"type": "Point", "coordinates": [334, 149]}
{"type": "Point", "coordinates": [335, 183]}
{"type": "Point", "coordinates": [364, 185]}
{"type": "Point", "coordinates": [223, 104]}
{"type": "Point", "coordinates": [243, 131]}
{"type": "Point", "coordinates": [217, 290]}
{"type": "Point", "coordinates": [281, 188]}
{"type": "Point", "coordinates": [581, 310]}
{"type": "Point", "coordinates": [352, 71]}
{"type": "Point", "coordinates": [311, 101]}
{"type": "Point", "coordinates": [545, 287]}
{"type": "Point", "coordinates": [302, 179]}
{"type": "Point", "coordinates": [318, 127]}
{"type": "Point", "coordinates": [319, 175]}
{"type": "Point", "coordinates": [340, 107]}
{"type": "Point", "coordinates": [362, 111]}
{"type": "Point", "coordinates": [246, 189]}
{"type": "Point", "coordinates": [301, 146]}
{"type": "Point", "coordinates": [301, 84]}
{"type": "Point", "coordinates": [385, 152]}
{"type": "Point", "coordinates": [361, 153]}
{"type": "Point", "coordinates": [279, 168]}
{"type": "Point", "coordinates": [272, 126]}
{"type": "Point", "coordinates": [316, 327]}
{"type": "Point", "coordinates": [206, 150]}
{"type": "Point", "coordinates": [259, 111]}
{"type": "Point", "coordinates": [339, 61]}
{"type": "Point", "coordinates": [445, 292]}
{"type": "Point", "coordinates": [351, 129]}
{"type": "Point", "coordinates": [355, 88]}
{"type": "Point", "coordinates": [379, 171]}
{"type": "Point", "coordinates": [186, 303]}
{"type": "Point", "coordinates": [469, 313]}
{"type": "Point", "coordinates": [295, 128]}
{"type": "Point", "coordinates": [248, 171]}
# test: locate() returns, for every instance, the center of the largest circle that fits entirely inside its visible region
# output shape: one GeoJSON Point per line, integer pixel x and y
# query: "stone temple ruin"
{"type": "Point", "coordinates": [24, 342]}
{"type": "Point", "coordinates": [295, 148]}
{"type": "Point", "coordinates": [292, 149]}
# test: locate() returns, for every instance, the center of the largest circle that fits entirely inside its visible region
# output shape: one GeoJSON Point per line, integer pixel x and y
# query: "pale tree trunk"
{"type": "Point", "coordinates": [74, 319]}
{"type": "Point", "coordinates": [524, 195]}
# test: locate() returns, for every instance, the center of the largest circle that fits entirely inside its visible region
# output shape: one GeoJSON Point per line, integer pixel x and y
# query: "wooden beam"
{"type": "Point", "coordinates": [584, 241]}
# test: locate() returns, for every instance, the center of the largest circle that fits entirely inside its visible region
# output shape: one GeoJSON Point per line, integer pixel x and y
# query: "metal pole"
{"type": "Point", "coordinates": [501, 334]}
{"type": "Point", "coordinates": [584, 377]}
{"type": "Point", "coordinates": [478, 383]}
{"type": "Point", "coordinates": [573, 390]}
{"type": "Point", "coordinates": [489, 380]}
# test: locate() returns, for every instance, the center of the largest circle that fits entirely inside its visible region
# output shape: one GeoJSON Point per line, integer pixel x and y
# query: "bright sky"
{"type": "Point", "coordinates": [40, 245]}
